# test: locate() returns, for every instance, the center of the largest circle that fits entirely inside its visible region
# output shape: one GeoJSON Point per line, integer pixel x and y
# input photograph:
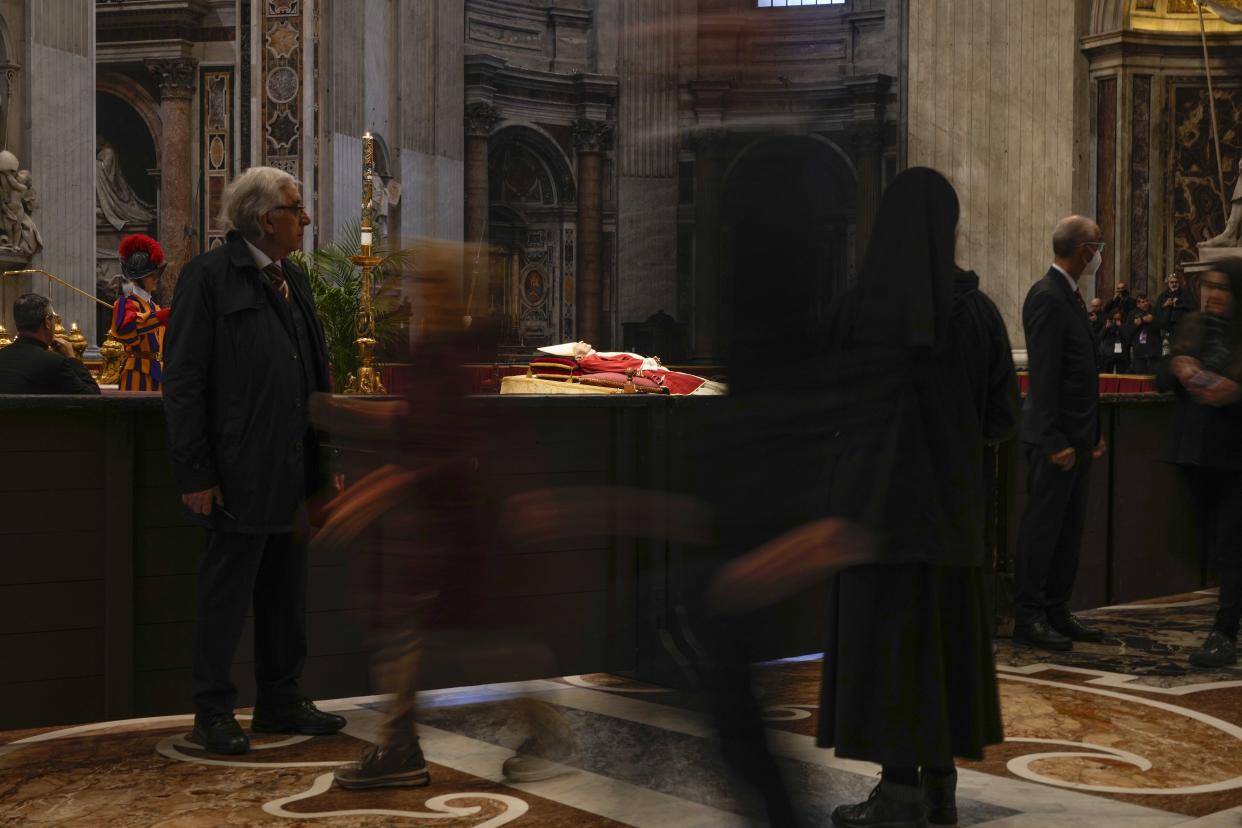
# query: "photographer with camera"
{"type": "Point", "coordinates": [1172, 305]}
{"type": "Point", "coordinates": [1146, 343]}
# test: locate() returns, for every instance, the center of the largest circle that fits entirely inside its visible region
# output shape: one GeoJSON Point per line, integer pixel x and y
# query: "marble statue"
{"type": "Point", "coordinates": [17, 205]}
{"type": "Point", "coordinates": [115, 201]}
{"type": "Point", "coordinates": [1233, 224]}
{"type": "Point", "coordinates": [386, 194]}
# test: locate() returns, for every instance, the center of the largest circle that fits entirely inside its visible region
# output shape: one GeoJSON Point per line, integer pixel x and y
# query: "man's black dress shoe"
{"type": "Point", "coordinates": [395, 766]}
{"type": "Point", "coordinates": [940, 795]}
{"type": "Point", "coordinates": [301, 717]}
{"type": "Point", "coordinates": [1039, 634]}
{"type": "Point", "coordinates": [1218, 651]}
{"type": "Point", "coordinates": [1073, 629]}
{"type": "Point", "coordinates": [889, 806]}
{"type": "Point", "coordinates": [220, 734]}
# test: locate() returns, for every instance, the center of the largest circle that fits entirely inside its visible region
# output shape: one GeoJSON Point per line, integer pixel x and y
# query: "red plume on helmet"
{"type": "Point", "coordinates": [140, 256]}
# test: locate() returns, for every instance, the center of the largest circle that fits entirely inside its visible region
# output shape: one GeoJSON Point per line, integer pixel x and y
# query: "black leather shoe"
{"type": "Point", "coordinates": [396, 766]}
{"type": "Point", "coordinates": [1073, 629]}
{"type": "Point", "coordinates": [1039, 634]}
{"type": "Point", "coordinates": [940, 796]}
{"type": "Point", "coordinates": [220, 734]}
{"type": "Point", "coordinates": [888, 806]}
{"type": "Point", "coordinates": [1218, 651]}
{"type": "Point", "coordinates": [302, 717]}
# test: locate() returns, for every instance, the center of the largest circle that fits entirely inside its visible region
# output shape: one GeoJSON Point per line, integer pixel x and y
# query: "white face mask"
{"type": "Point", "coordinates": [1094, 264]}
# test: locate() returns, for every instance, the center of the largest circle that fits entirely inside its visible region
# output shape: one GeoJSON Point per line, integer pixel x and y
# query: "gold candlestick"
{"type": "Point", "coordinates": [367, 380]}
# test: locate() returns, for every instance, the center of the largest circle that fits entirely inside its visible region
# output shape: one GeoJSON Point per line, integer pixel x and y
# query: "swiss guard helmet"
{"type": "Point", "coordinates": [141, 256]}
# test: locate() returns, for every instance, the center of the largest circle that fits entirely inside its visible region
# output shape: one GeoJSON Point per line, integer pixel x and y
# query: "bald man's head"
{"type": "Point", "coordinates": [1071, 232]}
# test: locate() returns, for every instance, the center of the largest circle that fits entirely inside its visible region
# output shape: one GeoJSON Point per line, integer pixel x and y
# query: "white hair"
{"type": "Point", "coordinates": [256, 191]}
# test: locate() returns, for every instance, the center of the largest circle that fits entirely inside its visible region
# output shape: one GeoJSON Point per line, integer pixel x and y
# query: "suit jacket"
{"type": "Point", "coordinates": [29, 367]}
{"type": "Point", "coordinates": [235, 390]}
{"type": "Point", "coordinates": [1063, 400]}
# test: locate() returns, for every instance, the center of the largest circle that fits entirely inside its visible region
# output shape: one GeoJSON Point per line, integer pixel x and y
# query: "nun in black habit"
{"type": "Point", "coordinates": [922, 357]}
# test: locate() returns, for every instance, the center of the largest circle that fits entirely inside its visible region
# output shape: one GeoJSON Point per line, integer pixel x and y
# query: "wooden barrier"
{"type": "Point", "coordinates": [97, 557]}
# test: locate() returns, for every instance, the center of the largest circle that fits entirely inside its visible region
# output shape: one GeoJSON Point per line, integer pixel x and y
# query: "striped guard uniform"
{"type": "Point", "coordinates": [138, 323]}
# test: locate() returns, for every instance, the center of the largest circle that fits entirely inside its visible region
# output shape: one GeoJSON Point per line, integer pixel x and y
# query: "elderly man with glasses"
{"type": "Point", "coordinates": [1061, 436]}
{"type": "Point", "coordinates": [243, 353]}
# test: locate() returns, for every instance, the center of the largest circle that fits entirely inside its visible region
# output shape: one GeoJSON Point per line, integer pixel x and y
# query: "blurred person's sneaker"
{"type": "Point", "coordinates": [1039, 634]}
{"type": "Point", "coordinates": [1218, 651]}
{"type": "Point", "coordinates": [300, 717]}
{"type": "Point", "coordinates": [1073, 629]}
{"type": "Point", "coordinates": [940, 796]}
{"type": "Point", "coordinates": [219, 734]}
{"type": "Point", "coordinates": [530, 765]}
{"type": "Point", "coordinates": [888, 806]}
{"type": "Point", "coordinates": [395, 766]}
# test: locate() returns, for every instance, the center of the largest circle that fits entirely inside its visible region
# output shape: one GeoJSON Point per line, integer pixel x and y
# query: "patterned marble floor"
{"type": "Point", "coordinates": [1120, 733]}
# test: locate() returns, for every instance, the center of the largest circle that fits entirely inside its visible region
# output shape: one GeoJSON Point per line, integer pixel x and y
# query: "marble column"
{"type": "Point", "coordinates": [175, 78]}
{"type": "Point", "coordinates": [591, 140]}
{"type": "Point", "coordinates": [481, 118]}
{"type": "Point", "coordinates": [55, 140]}
{"type": "Point", "coordinates": [709, 146]}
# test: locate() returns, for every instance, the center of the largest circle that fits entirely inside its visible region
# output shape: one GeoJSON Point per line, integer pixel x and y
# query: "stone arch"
{"type": "Point", "coordinates": [544, 147]}
{"type": "Point", "coordinates": [758, 143]}
{"type": "Point", "coordinates": [139, 99]}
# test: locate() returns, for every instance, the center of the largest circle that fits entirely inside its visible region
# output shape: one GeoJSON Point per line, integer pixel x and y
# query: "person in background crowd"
{"type": "Point", "coordinates": [1121, 299]}
{"type": "Point", "coordinates": [1205, 441]}
{"type": "Point", "coordinates": [1146, 342]}
{"type": "Point", "coordinates": [1115, 344]}
{"type": "Point", "coordinates": [1060, 435]}
{"type": "Point", "coordinates": [37, 362]}
{"type": "Point", "coordinates": [138, 322]}
{"type": "Point", "coordinates": [1172, 305]}
{"type": "Point", "coordinates": [1095, 313]}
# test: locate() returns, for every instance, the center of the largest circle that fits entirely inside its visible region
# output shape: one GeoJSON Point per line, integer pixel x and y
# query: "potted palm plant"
{"type": "Point", "coordinates": [336, 284]}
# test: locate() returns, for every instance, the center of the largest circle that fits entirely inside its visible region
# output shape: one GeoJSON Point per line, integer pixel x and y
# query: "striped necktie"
{"type": "Point", "coordinates": [277, 278]}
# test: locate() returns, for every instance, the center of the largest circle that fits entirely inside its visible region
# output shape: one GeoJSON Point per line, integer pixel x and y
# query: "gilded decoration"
{"type": "Point", "coordinates": [1195, 197]}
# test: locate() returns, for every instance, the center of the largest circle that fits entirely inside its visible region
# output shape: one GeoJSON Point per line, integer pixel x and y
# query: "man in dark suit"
{"type": "Point", "coordinates": [37, 362]}
{"type": "Point", "coordinates": [243, 352]}
{"type": "Point", "coordinates": [1061, 435]}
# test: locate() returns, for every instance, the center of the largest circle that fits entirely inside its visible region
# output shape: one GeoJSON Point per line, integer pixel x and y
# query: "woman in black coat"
{"type": "Point", "coordinates": [1204, 371]}
{"type": "Point", "coordinates": [923, 359]}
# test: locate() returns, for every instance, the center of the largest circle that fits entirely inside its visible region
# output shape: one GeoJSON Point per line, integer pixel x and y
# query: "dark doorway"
{"type": "Point", "coordinates": [786, 238]}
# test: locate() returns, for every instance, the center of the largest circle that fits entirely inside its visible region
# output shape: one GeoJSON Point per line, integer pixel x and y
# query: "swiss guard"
{"type": "Point", "coordinates": [138, 322]}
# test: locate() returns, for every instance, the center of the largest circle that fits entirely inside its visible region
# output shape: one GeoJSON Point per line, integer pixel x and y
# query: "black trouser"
{"type": "Point", "coordinates": [1217, 498]}
{"type": "Point", "coordinates": [236, 566]}
{"type": "Point", "coordinates": [1144, 364]}
{"type": "Point", "coordinates": [1050, 535]}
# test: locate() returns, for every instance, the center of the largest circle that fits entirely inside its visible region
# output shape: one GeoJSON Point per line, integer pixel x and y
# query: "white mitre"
{"type": "Point", "coordinates": [567, 349]}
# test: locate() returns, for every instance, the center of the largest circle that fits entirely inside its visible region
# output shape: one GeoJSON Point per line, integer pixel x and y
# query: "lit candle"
{"type": "Point", "coordinates": [366, 238]}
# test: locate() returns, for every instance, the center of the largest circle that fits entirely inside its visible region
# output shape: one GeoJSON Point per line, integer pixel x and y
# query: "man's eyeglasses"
{"type": "Point", "coordinates": [298, 208]}
{"type": "Point", "coordinates": [1097, 245]}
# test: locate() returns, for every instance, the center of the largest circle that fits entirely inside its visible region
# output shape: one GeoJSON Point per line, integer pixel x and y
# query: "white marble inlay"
{"type": "Point", "coordinates": [440, 809]}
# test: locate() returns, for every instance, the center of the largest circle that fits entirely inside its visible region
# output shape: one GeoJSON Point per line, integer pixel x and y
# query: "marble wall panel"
{"type": "Point", "coordinates": [216, 159]}
{"type": "Point", "coordinates": [282, 85]}
{"type": "Point", "coordinates": [997, 101]}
